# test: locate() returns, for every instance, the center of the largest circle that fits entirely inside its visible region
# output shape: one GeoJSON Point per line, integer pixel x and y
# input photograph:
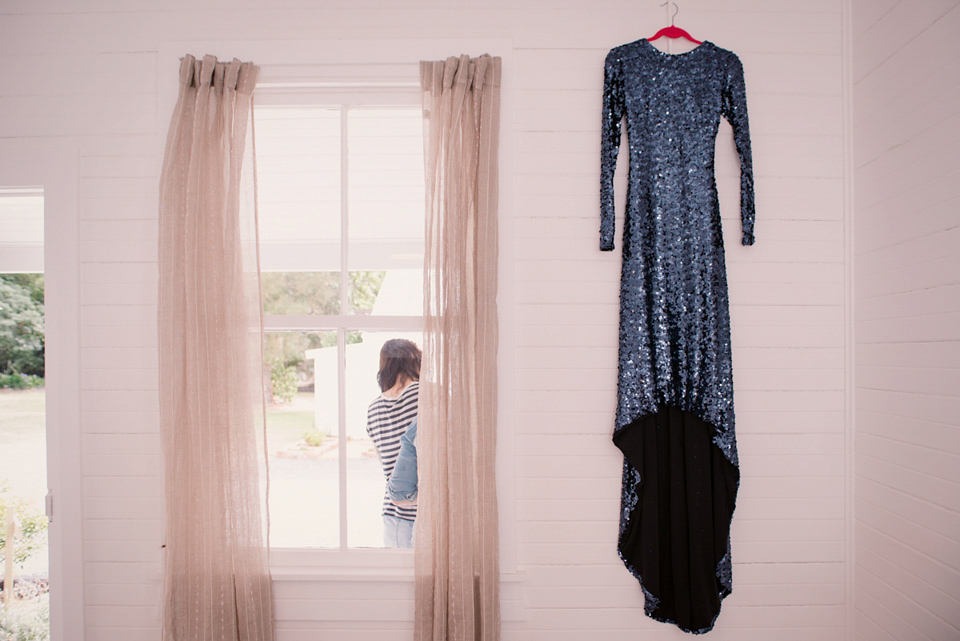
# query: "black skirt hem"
{"type": "Point", "coordinates": [678, 499]}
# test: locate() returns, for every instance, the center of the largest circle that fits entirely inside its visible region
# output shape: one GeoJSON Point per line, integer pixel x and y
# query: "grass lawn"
{"type": "Point", "coordinates": [22, 415]}
{"type": "Point", "coordinates": [286, 424]}
{"type": "Point", "coordinates": [23, 464]}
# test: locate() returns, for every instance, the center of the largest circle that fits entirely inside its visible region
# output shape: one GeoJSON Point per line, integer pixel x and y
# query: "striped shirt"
{"type": "Point", "coordinates": [387, 420]}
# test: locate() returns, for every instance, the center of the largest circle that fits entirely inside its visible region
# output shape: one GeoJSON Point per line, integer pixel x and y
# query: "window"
{"type": "Point", "coordinates": [341, 211]}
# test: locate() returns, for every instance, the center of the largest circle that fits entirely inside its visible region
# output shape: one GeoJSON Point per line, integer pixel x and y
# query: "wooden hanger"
{"type": "Point", "coordinates": [673, 31]}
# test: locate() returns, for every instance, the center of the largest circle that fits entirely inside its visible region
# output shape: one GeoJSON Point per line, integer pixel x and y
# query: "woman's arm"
{"type": "Point", "coordinates": [402, 486]}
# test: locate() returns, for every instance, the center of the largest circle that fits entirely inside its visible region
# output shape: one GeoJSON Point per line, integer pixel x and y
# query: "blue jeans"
{"type": "Point", "coordinates": [397, 533]}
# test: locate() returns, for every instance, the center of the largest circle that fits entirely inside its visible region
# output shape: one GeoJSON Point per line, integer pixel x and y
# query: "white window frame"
{"type": "Point", "coordinates": [293, 66]}
{"type": "Point", "coordinates": [343, 97]}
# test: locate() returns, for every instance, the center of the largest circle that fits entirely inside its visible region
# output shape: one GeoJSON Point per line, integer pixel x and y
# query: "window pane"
{"type": "Point", "coordinates": [21, 223]}
{"type": "Point", "coordinates": [365, 288]}
{"type": "Point", "coordinates": [302, 419]}
{"type": "Point", "coordinates": [386, 206]}
{"type": "Point", "coordinates": [298, 180]}
{"type": "Point", "coordinates": [300, 293]}
{"type": "Point", "coordinates": [366, 481]}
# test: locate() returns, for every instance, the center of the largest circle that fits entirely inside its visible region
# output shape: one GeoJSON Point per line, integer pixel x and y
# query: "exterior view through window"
{"type": "Point", "coordinates": [341, 213]}
{"type": "Point", "coordinates": [24, 561]}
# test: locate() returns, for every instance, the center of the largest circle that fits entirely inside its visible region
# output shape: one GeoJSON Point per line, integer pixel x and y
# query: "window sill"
{"type": "Point", "coordinates": [290, 564]}
{"type": "Point", "coordinates": [376, 575]}
{"type": "Point", "coordinates": [357, 565]}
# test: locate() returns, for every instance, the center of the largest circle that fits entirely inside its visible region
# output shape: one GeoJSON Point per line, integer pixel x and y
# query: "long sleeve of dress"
{"type": "Point", "coordinates": [734, 108]}
{"type": "Point", "coordinates": [613, 108]}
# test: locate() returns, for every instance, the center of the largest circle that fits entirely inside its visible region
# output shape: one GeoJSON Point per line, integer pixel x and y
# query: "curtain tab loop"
{"type": "Point", "coordinates": [187, 64]}
{"type": "Point", "coordinates": [231, 71]}
{"type": "Point", "coordinates": [480, 65]}
{"type": "Point", "coordinates": [247, 77]}
{"type": "Point", "coordinates": [219, 71]}
{"type": "Point", "coordinates": [206, 71]}
{"type": "Point", "coordinates": [450, 68]}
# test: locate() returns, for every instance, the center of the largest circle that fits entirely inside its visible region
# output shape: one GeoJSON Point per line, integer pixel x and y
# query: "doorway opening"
{"type": "Point", "coordinates": [24, 552]}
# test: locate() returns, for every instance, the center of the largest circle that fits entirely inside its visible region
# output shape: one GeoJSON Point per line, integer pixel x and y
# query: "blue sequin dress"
{"type": "Point", "coordinates": [674, 421]}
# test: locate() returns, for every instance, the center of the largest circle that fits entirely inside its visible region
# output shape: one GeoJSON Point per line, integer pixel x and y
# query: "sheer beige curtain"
{"type": "Point", "coordinates": [457, 555]}
{"type": "Point", "coordinates": [217, 583]}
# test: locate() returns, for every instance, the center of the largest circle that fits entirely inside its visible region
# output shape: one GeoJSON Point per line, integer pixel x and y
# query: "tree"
{"type": "Point", "coordinates": [318, 293]}
{"type": "Point", "coordinates": [21, 324]}
{"type": "Point", "coordinates": [308, 293]}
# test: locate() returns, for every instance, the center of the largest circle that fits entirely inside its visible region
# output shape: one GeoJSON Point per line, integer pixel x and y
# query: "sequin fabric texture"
{"type": "Point", "coordinates": [674, 313]}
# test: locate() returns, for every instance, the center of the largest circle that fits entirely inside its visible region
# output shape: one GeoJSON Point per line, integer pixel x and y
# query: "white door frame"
{"type": "Point", "coordinates": [54, 166]}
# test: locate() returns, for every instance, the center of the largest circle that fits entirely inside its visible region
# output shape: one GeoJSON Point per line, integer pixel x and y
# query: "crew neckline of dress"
{"type": "Point", "coordinates": [675, 55]}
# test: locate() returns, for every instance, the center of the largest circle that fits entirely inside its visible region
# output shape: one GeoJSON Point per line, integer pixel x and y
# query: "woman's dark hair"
{"type": "Point", "coordinates": [398, 357]}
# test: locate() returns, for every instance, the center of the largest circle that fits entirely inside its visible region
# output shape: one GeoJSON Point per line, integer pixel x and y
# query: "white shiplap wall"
{"type": "Point", "coordinates": [87, 74]}
{"type": "Point", "coordinates": [907, 265]}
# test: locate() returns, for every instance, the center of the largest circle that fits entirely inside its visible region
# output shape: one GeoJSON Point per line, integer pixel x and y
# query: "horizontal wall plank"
{"type": "Point", "coordinates": [935, 409]}
{"type": "Point", "coordinates": [911, 481]}
{"type": "Point", "coordinates": [927, 301]}
{"type": "Point", "coordinates": [936, 604]}
{"type": "Point", "coordinates": [123, 529]}
{"type": "Point", "coordinates": [918, 510]}
{"type": "Point", "coordinates": [123, 595]}
{"type": "Point", "coordinates": [939, 436]}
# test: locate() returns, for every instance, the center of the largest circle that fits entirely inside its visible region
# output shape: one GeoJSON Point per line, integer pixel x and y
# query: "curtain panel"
{"type": "Point", "coordinates": [217, 584]}
{"type": "Point", "coordinates": [457, 550]}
